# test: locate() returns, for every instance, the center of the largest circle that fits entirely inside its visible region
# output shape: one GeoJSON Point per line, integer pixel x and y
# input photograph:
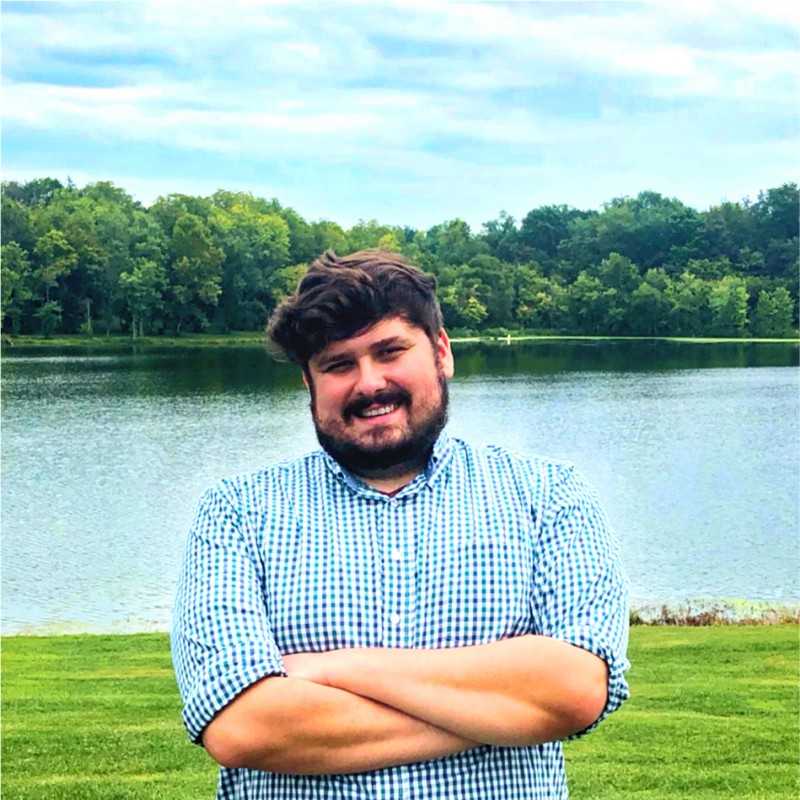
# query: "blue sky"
{"type": "Point", "coordinates": [411, 113]}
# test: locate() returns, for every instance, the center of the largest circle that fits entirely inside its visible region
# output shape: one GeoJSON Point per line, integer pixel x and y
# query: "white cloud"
{"type": "Point", "coordinates": [380, 86]}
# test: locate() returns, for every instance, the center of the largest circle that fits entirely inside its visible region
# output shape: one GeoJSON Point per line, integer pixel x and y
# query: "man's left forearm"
{"type": "Point", "coordinates": [519, 691]}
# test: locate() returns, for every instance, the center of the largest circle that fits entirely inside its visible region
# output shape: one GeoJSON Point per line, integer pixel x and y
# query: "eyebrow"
{"type": "Point", "coordinates": [323, 361]}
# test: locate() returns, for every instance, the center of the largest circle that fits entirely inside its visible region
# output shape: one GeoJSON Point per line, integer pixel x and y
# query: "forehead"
{"type": "Point", "coordinates": [388, 328]}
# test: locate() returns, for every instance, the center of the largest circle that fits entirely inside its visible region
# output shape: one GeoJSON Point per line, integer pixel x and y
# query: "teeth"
{"type": "Point", "coordinates": [377, 412]}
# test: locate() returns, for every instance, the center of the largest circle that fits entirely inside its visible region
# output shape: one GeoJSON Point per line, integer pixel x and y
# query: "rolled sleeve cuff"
{"type": "Point", "coordinates": [222, 680]}
{"type": "Point", "coordinates": [618, 691]}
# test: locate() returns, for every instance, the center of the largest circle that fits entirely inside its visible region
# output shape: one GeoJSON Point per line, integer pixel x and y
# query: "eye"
{"type": "Point", "coordinates": [337, 366]}
{"type": "Point", "coordinates": [392, 352]}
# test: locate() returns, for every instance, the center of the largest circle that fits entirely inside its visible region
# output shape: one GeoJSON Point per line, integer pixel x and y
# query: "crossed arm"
{"type": "Point", "coordinates": [364, 709]}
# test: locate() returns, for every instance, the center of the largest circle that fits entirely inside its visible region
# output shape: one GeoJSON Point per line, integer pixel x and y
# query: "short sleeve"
{"type": "Point", "coordinates": [221, 637]}
{"type": "Point", "coordinates": [580, 594]}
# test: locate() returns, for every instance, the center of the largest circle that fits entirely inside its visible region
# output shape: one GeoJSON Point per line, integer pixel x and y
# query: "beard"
{"type": "Point", "coordinates": [380, 459]}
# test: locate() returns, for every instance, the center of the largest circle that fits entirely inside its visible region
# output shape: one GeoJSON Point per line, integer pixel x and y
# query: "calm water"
{"type": "Point", "coordinates": [693, 448]}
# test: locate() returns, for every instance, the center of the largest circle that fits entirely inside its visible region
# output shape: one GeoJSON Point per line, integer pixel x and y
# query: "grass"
{"type": "Point", "coordinates": [119, 342]}
{"type": "Point", "coordinates": [714, 714]}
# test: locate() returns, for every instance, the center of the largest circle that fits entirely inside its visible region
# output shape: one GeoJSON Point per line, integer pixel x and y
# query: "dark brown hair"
{"type": "Point", "coordinates": [340, 297]}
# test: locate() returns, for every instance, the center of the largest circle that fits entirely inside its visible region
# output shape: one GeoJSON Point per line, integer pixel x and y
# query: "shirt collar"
{"type": "Point", "coordinates": [440, 456]}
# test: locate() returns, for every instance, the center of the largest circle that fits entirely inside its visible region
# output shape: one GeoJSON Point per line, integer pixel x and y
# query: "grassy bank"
{"type": "Point", "coordinates": [256, 338]}
{"type": "Point", "coordinates": [122, 343]}
{"type": "Point", "coordinates": [714, 714]}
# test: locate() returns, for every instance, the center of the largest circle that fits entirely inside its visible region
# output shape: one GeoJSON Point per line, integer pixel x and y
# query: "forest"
{"type": "Point", "coordinates": [95, 261]}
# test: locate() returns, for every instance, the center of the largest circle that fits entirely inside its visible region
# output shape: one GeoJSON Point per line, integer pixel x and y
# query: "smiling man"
{"type": "Point", "coordinates": [401, 614]}
{"type": "Point", "coordinates": [379, 400]}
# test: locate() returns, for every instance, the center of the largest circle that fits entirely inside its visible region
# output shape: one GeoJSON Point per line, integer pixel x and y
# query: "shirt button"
{"type": "Point", "coordinates": [396, 554]}
{"type": "Point", "coordinates": [395, 619]}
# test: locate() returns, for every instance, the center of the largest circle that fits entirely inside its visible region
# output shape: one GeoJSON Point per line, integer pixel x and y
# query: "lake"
{"type": "Point", "coordinates": [692, 447]}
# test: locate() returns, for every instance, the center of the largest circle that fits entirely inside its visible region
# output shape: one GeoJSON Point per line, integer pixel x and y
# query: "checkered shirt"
{"type": "Point", "coordinates": [481, 546]}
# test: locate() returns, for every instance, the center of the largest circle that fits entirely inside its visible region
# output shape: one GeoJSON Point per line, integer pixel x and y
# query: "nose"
{"type": "Point", "coordinates": [370, 378]}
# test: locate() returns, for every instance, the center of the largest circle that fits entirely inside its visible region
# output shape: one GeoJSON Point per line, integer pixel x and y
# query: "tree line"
{"type": "Point", "coordinates": [93, 260]}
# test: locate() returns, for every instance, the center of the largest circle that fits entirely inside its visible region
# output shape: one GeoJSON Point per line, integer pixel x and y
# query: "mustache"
{"type": "Point", "coordinates": [387, 397]}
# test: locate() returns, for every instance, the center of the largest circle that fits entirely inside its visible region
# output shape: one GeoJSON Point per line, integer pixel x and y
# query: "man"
{"type": "Point", "coordinates": [400, 615]}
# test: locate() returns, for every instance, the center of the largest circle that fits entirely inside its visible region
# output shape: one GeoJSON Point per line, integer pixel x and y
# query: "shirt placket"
{"type": "Point", "coordinates": [398, 559]}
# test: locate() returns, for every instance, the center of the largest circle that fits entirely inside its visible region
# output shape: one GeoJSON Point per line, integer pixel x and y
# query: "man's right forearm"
{"type": "Point", "coordinates": [296, 726]}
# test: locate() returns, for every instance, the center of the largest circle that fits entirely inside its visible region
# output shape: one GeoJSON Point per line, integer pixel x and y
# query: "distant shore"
{"type": "Point", "coordinates": [117, 342]}
{"type": "Point", "coordinates": [692, 613]}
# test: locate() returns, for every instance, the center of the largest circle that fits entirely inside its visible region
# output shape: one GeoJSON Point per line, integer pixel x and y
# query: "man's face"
{"type": "Point", "coordinates": [379, 399]}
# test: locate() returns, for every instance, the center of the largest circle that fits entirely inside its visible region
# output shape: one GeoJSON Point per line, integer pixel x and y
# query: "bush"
{"type": "Point", "coordinates": [496, 333]}
{"type": "Point", "coordinates": [463, 333]}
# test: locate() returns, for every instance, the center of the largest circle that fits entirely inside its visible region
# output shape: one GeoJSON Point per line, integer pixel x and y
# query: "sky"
{"type": "Point", "coordinates": [410, 113]}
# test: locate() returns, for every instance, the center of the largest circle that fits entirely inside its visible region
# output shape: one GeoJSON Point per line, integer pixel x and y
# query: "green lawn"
{"type": "Point", "coordinates": [714, 713]}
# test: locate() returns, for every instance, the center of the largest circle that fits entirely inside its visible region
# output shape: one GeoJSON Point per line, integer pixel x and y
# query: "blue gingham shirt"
{"type": "Point", "coordinates": [481, 546]}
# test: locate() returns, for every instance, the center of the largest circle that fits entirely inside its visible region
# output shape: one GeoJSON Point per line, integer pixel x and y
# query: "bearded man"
{"type": "Point", "coordinates": [401, 614]}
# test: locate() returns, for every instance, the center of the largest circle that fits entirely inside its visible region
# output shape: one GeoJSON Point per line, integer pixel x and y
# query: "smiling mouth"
{"type": "Point", "coordinates": [381, 404]}
{"type": "Point", "coordinates": [377, 411]}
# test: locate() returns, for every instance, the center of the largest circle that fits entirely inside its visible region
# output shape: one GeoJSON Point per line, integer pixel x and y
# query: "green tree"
{"type": "Point", "coordinates": [329, 236]}
{"type": "Point", "coordinates": [36, 192]}
{"type": "Point", "coordinates": [648, 229]}
{"type": "Point", "coordinates": [473, 313]}
{"type": "Point", "coordinates": [255, 243]}
{"type": "Point", "coordinates": [97, 221]}
{"type": "Point", "coordinates": [17, 224]}
{"type": "Point", "coordinates": [283, 282]}
{"type": "Point", "coordinates": [649, 305]}
{"type": "Point", "coordinates": [167, 210]}
{"type": "Point", "coordinates": [710, 269]}
{"type": "Point", "coordinates": [55, 257]}
{"type": "Point", "coordinates": [660, 228]}
{"type": "Point", "coordinates": [49, 316]}
{"type": "Point", "coordinates": [544, 228]}
{"type": "Point", "coordinates": [492, 283]}
{"type": "Point", "coordinates": [541, 302]}
{"type": "Point", "coordinates": [502, 238]}
{"type": "Point", "coordinates": [461, 306]}
{"type": "Point", "coordinates": [119, 226]}
{"type": "Point", "coordinates": [368, 234]}
{"type": "Point", "coordinates": [302, 245]}
{"type": "Point", "coordinates": [774, 313]}
{"type": "Point", "coordinates": [728, 303]}
{"type": "Point", "coordinates": [142, 290]}
{"type": "Point", "coordinates": [589, 303]}
{"type": "Point", "coordinates": [619, 273]}
{"type": "Point", "coordinates": [16, 282]}
{"type": "Point", "coordinates": [452, 243]}
{"type": "Point", "coordinates": [781, 258]}
{"type": "Point", "coordinates": [751, 262]}
{"type": "Point", "coordinates": [579, 250]}
{"type": "Point", "coordinates": [776, 214]}
{"type": "Point", "coordinates": [725, 230]}
{"type": "Point", "coordinates": [195, 274]}
{"type": "Point", "coordinates": [390, 241]}
{"type": "Point", "coordinates": [690, 314]}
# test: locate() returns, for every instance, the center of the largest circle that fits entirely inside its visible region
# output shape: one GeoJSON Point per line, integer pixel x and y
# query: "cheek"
{"type": "Point", "coordinates": [328, 399]}
{"type": "Point", "coordinates": [427, 383]}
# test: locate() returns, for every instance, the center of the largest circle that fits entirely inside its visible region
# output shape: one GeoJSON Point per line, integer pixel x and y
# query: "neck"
{"type": "Point", "coordinates": [391, 480]}
{"type": "Point", "coordinates": [391, 484]}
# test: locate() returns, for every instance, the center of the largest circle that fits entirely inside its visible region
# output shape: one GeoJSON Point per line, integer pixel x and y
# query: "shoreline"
{"type": "Point", "coordinates": [695, 613]}
{"type": "Point", "coordinates": [256, 339]}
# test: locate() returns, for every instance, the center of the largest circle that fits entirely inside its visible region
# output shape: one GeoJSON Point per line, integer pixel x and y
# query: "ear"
{"type": "Point", "coordinates": [445, 353]}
